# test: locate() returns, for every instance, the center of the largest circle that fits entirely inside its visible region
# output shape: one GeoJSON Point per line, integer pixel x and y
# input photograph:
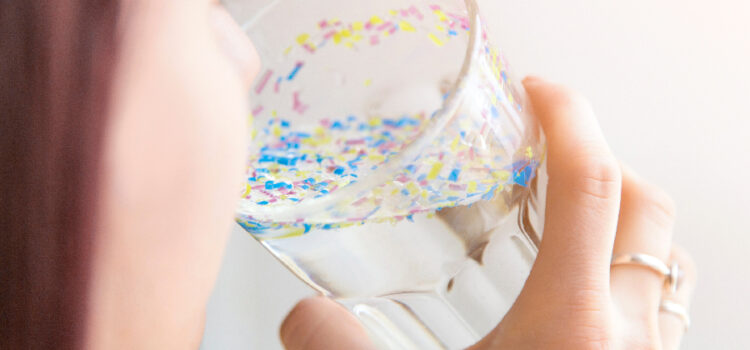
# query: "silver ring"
{"type": "Point", "coordinates": [676, 309]}
{"type": "Point", "coordinates": [672, 274]}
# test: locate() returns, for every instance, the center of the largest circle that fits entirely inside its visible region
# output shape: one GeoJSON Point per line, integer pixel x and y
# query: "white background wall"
{"type": "Point", "coordinates": [670, 81]}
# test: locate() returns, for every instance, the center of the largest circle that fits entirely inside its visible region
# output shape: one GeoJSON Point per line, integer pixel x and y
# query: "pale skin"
{"type": "Point", "coordinates": [174, 161]}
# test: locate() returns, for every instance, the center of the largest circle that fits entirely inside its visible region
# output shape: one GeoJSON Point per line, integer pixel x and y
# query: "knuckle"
{"type": "Point", "coordinates": [652, 201]}
{"type": "Point", "coordinates": [596, 173]}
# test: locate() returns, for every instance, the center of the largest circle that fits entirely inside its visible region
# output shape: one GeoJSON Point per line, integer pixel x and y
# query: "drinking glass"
{"type": "Point", "coordinates": [393, 165]}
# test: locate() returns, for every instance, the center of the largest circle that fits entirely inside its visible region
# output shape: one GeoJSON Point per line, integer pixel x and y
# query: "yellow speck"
{"type": "Point", "coordinates": [430, 215]}
{"type": "Point", "coordinates": [376, 158]}
{"type": "Point", "coordinates": [435, 171]}
{"type": "Point", "coordinates": [248, 188]}
{"type": "Point", "coordinates": [375, 20]}
{"type": "Point", "coordinates": [472, 187]}
{"type": "Point", "coordinates": [454, 143]}
{"type": "Point", "coordinates": [440, 28]}
{"type": "Point", "coordinates": [346, 33]}
{"type": "Point", "coordinates": [395, 191]}
{"type": "Point", "coordinates": [368, 82]}
{"type": "Point", "coordinates": [386, 33]}
{"type": "Point", "coordinates": [441, 15]}
{"type": "Point", "coordinates": [412, 187]}
{"type": "Point", "coordinates": [273, 113]}
{"type": "Point", "coordinates": [501, 175]}
{"type": "Point", "coordinates": [287, 50]}
{"type": "Point", "coordinates": [393, 12]}
{"type": "Point", "coordinates": [375, 121]}
{"type": "Point", "coordinates": [435, 39]}
{"type": "Point", "coordinates": [406, 26]}
{"type": "Point", "coordinates": [319, 131]}
{"type": "Point", "coordinates": [425, 194]}
{"type": "Point", "coordinates": [294, 233]}
{"type": "Point", "coordinates": [276, 131]}
{"type": "Point", "coordinates": [302, 38]}
{"type": "Point", "coordinates": [357, 26]}
{"type": "Point", "coordinates": [337, 37]}
{"type": "Point", "coordinates": [349, 44]}
{"type": "Point", "coordinates": [529, 152]}
{"type": "Point", "coordinates": [357, 37]}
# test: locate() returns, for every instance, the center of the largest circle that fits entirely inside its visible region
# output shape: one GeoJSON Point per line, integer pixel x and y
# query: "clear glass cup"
{"type": "Point", "coordinates": [394, 166]}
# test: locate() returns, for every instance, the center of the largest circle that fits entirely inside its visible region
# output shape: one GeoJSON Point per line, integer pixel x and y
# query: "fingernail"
{"type": "Point", "coordinates": [532, 79]}
{"type": "Point", "coordinates": [235, 43]}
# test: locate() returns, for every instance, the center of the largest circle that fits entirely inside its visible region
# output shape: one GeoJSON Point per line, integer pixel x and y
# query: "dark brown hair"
{"type": "Point", "coordinates": [56, 62]}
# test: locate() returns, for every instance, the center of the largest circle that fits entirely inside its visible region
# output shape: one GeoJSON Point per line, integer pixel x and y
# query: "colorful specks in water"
{"type": "Point", "coordinates": [298, 162]}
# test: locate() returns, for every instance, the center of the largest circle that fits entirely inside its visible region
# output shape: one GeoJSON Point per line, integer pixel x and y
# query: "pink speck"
{"type": "Point", "coordinates": [413, 10]}
{"type": "Point", "coordinates": [355, 142]}
{"type": "Point", "coordinates": [329, 34]}
{"type": "Point", "coordinates": [374, 40]}
{"type": "Point", "coordinates": [384, 25]}
{"type": "Point", "coordinates": [257, 110]}
{"type": "Point", "coordinates": [263, 81]}
{"type": "Point", "coordinates": [298, 106]}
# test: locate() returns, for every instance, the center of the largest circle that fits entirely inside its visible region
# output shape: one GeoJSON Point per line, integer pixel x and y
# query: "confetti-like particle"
{"type": "Point", "coordinates": [406, 26]}
{"type": "Point", "coordinates": [299, 162]}
{"type": "Point", "coordinates": [435, 39]}
{"type": "Point", "coordinates": [295, 70]}
{"type": "Point", "coordinates": [435, 171]}
{"type": "Point", "coordinates": [302, 38]}
{"type": "Point", "coordinates": [263, 81]}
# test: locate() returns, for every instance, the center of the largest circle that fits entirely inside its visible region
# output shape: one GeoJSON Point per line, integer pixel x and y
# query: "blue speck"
{"type": "Point", "coordinates": [294, 71]}
{"type": "Point", "coordinates": [495, 112]}
{"type": "Point", "coordinates": [454, 175]}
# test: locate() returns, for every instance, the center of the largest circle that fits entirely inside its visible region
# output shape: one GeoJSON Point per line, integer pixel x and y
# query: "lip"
{"type": "Point", "coordinates": [235, 44]}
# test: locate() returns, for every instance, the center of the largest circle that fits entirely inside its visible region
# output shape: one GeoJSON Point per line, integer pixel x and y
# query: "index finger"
{"type": "Point", "coordinates": [583, 193]}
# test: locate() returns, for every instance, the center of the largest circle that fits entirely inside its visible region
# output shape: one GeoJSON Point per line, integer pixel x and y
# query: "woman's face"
{"type": "Point", "coordinates": [173, 168]}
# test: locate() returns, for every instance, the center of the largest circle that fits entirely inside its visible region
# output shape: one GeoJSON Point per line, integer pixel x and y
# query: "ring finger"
{"type": "Point", "coordinates": [644, 227]}
{"type": "Point", "coordinates": [672, 326]}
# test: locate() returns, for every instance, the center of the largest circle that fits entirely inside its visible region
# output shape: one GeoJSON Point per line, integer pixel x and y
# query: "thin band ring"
{"type": "Point", "coordinates": [675, 309]}
{"type": "Point", "coordinates": [671, 273]}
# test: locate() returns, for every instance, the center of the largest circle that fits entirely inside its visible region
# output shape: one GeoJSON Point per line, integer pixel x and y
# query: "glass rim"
{"type": "Point", "coordinates": [441, 118]}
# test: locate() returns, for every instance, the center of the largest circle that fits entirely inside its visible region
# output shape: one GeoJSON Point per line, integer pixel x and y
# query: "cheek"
{"type": "Point", "coordinates": [179, 141]}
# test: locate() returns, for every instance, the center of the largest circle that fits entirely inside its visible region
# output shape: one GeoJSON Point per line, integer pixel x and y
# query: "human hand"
{"type": "Point", "coordinates": [572, 299]}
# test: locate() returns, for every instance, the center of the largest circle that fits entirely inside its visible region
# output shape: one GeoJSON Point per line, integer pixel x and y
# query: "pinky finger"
{"type": "Point", "coordinates": [671, 326]}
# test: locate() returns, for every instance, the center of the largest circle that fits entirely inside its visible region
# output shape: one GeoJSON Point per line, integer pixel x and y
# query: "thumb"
{"type": "Point", "coordinates": [319, 323]}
